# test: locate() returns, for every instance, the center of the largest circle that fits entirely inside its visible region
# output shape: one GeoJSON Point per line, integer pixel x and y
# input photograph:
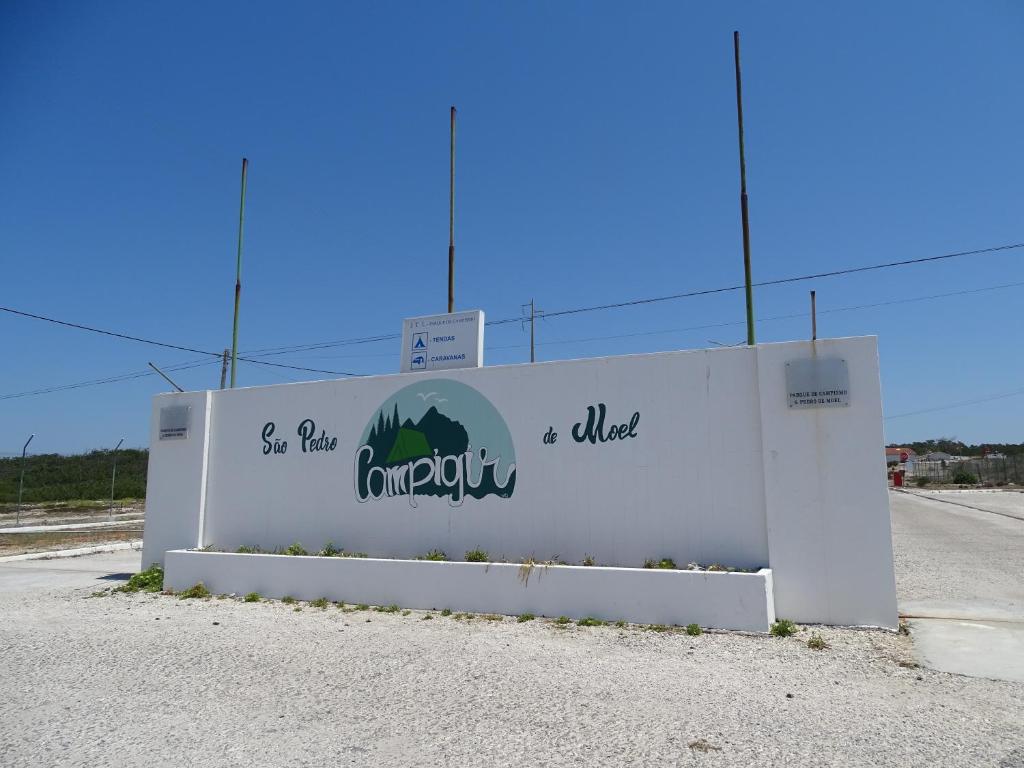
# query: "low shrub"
{"type": "Point", "coordinates": [524, 617]}
{"type": "Point", "coordinates": [590, 621]}
{"type": "Point", "coordinates": [693, 630]}
{"type": "Point", "coordinates": [287, 599]}
{"type": "Point", "coordinates": [196, 591]}
{"type": "Point", "coordinates": [922, 481]}
{"type": "Point", "coordinates": [783, 628]}
{"type": "Point", "coordinates": [330, 550]}
{"type": "Point", "coordinates": [963, 477]}
{"type": "Point", "coordinates": [149, 580]}
{"type": "Point", "coordinates": [252, 597]}
{"type": "Point", "coordinates": [295, 549]}
{"type": "Point", "coordinates": [386, 608]}
{"type": "Point", "coordinates": [666, 562]}
{"type": "Point", "coordinates": [477, 556]}
{"type": "Point", "coordinates": [446, 612]}
{"type": "Point", "coordinates": [817, 642]}
{"type": "Point", "coordinates": [320, 602]}
{"type": "Point", "coordinates": [434, 554]}
{"type": "Point", "coordinates": [563, 620]}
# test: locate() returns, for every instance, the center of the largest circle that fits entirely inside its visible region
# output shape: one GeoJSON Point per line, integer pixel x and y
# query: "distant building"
{"type": "Point", "coordinates": [894, 455]}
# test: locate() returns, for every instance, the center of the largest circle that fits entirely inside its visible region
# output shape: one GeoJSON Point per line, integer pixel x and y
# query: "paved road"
{"type": "Point", "coordinates": [96, 571]}
{"type": "Point", "coordinates": [959, 574]}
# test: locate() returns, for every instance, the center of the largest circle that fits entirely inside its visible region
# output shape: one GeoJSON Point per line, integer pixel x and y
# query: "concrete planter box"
{"type": "Point", "coordinates": [742, 601]}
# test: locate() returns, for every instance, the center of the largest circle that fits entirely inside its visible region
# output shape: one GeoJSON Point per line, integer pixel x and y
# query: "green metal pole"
{"type": "Point", "coordinates": [451, 219]}
{"type": "Point", "coordinates": [238, 277]}
{"type": "Point", "coordinates": [743, 194]}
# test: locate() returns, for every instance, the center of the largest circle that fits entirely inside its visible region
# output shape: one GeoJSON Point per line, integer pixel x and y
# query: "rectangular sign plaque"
{"type": "Point", "coordinates": [818, 383]}
{"type": "Point", "coordinates": [175, 421]}
{"type": "Point", "coordinates": [442, 342]}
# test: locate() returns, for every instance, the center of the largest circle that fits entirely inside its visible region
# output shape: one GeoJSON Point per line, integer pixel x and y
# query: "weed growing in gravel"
{"type": "Point", "coordinates": [330, 550]}
{"type": "Point", "coordinates": [461, 616]}
{"type": "Point", "coordinates": [295, 549]}
{"type": "Point", "coordinates": [563, 620]}
{"type": "Point", "coordinates": [297, 608]}
{"type": "Point", "coordinates": [287, 599]}
{"type": "Point", "coordinates": [904, 627]}
{"type": "Point", "coordinates": [362, 607]}
{"type": "Point", "coordinates": [588, 560]}
{"type": "Point", "coordinates": [658, 628]}
{"type": "Point", "coordinates": [693, 630]}
{"type": "Point", "coordinates": [817, 642]}
{"type": "Point", "coordinates": [149, 580]}
{"type": "Point", "coordinates": [716, 567]}
{"type": "Point", "coordinates": [703, 745]}
{"type": "Point", "coordinates": [493, 617]}
{"type": "Point", "coordinates": [340, 604]}
{"type": "Point", "coordinates": [386, 608]}
{"type": "Point", "coordinates": [666, 562]}
{"type": "Point", "coordinates": [783, 628]}
{"type": "Point", "coordinates": [426, 617]}
{"type": "Point", "coordinates": [196, 591]}
{"type": "Point", "coordinates": [101, 593]}
{"type": "Point", "coordinates": [446, 612]}
{"type": "Point", "coordinates": [524, 617]}
{"type": "Point", "coordinates": [406, 612]}
{"type": "Point", "coordinates": [477, 556]}
{"type": "Point", "coordinates": [434, 554]}
{"type": "Point", "coordinates": [252, 597]}
{"type": "Point", "coordinates": [320, 602]}
{"type": "Point", "coordinates": [590, 621]}
{"type": "Point", "coordinates": [620, 623]}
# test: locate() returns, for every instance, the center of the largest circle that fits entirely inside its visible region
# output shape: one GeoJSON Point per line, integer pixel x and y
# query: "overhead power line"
{"type": "Point", "coordinates": [960, 404]}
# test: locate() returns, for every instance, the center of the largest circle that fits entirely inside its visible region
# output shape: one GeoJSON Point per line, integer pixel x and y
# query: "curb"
{"type": "Point", "coordinates": [136, 544]}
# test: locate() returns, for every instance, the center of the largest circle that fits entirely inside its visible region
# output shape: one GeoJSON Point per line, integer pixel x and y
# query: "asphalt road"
{"type": "Point", "coordinates": [960, 577]}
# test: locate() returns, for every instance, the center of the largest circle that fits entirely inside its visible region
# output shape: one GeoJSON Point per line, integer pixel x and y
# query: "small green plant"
{"type": "Point", "coordinates": [297, 608]}
{"type": "Point", "coordinates": [658, 628]}
{"type": "Point", "coordinates": [252, 597]}
{"type": "Point", "coordinates": [783, 628]}
{"type": "Point", "coordinates": [590, 621]}
{"type": "Point", "coordinates": [426, 617]}
{"type": "Point", "coordinates": [524, 617]}
{"type": "Point", "coordinates": [287, 599]}
{"type": "Point", "coordinates": [621, 623]}
{"type": "Point", "coordinates": [434, 554]}
{"type": "Point", "coordinates": [149, 580]}
{"type": "Point", "coordinates": [477, 556]}
{"type": "Point", "coordinates": [362, 607]}
{"type": "Point", "coordinates": [386, 608]}
{"type": "Point", "coordinates": [716, 568]}
{"type": "Point", "coordinates": [446, 612]}
{"type": "Point", "coordinates": [904, 627]}
{"type": "Point", "coordinates": [588, 560]}
{"type": "Point", "coordinates": [817, 642]}
{"type": "Point", "coordinates": [666, 563]}
{"type": "Point", "coordinates": [693, 630]}
{"type": "Point", "coordinates": [320, 602]}
{"type": "Point", "coordinates": [195, 592]}
{"type": "Point", "coordinates": [406, 612]}
{"type": "Point", "coordinates": [245, 549]}
{"type": "Point", "coordinates": [463, 616]}
{"type": "Point", "coordinates": [493, 617]}
{"type": "Point", "coordinates": [563, 620]}
{"type": "Point", "coordinates": [329, 550]}
{"type": "Point", "coordinates": [296, 549]}
{"type": "Point", "coordinates": [340, 604]}
{"type": "Point", "coordinates": [922, 481]}
{"type": "Point", "coordinates": [354, 554]}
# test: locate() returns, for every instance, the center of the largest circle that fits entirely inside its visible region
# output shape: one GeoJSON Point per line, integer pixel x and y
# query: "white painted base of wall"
{"type": "Point", "coordinates": [742, 601]}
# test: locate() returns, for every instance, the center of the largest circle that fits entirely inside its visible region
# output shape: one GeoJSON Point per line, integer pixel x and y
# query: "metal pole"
{"type": "Point", "coordinates": [224, 368]}
{"type": "Point", "coordinates": [743, 194]}
{"type": "Point", "coordinates": [21, 482]}
{"type": "Point", "coordinates": [238, 276]}
{"type": "Point", "coordinates": [533, 315]}
{"type": "Point", "coordinates": [451, 221]}
{"type": "Point", "coordinates": [814, 319]}
{"type": "Point", "coordinates": [113, 477]}
{"type": "Point", "coordinates": [168, 378]}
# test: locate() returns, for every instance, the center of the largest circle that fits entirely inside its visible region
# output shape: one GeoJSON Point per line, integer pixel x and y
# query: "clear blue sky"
{"type": "Point", "coordinates": [596, 162]}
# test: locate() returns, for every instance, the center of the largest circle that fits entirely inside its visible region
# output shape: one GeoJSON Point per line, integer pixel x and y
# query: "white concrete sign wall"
{"type": "Point", "coordinates": [694, 456]}
{"type": "Point", "coordinates": [443, 342]}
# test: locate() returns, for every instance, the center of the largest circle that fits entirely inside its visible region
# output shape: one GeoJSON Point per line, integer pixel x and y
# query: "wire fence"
{"type": "Point", "coordinates": [988, 472]}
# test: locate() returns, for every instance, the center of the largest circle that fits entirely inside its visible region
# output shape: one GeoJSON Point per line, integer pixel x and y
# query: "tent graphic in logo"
{"type": "Point", "coordinates": [435, 438]}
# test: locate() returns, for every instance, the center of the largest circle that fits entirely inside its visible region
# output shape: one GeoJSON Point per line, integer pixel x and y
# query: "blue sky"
{"type": "Point", "coordinates": [596, 163]}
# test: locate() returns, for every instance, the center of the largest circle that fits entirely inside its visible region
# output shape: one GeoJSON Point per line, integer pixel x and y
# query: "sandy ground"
{"type": "Point", "coordinates": [49, 527]}
{"type": "Point", "coordinates": [154, 680]}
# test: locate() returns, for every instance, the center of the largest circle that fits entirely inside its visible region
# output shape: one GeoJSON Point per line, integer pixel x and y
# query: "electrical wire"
{"type": "Point", "coordinates": [960, 404]}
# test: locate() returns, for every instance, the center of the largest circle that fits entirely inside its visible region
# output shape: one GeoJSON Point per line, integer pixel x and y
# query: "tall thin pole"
{"type": "Point", "coordinates": [238, 276]}
{"type": "Point", "coordinates": [166, 377]}
{"type": "Point", "coordinates": [814, 319]}
{"type": "Point", "coordinates": [533, 317]}
{"type": "Point", "coordinates": [743, 194]}
{"type": "Point", "coordinates": [21, 482]}
{"type": "Point", "coordinates": [113, 477]}
{"type": "Point", "coordinates": [451, 220]}
{"type": "Point", "coordinates": [224, 368]}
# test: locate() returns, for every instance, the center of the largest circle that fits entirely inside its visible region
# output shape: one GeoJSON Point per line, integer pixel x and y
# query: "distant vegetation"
{"type": "Point", "coordinates": [954, 447]}
{"type": "Point", "coordinates": [52, 477]}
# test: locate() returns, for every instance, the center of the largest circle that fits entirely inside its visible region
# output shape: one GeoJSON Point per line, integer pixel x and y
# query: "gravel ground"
{"type": "Point", "coordinates": [153, 680]}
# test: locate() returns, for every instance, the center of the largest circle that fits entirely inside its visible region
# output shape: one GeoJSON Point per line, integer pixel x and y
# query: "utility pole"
{"type": "Point", "coordinates": [21, 482]}
{"type": "Point", "coordinates": [451, 220]}
{"type": "Point", "coordinates": [238, 276]}
{"type": "Point", "coordinates": [814, 319]}
{"type": "Point", "coordinates": [166, 377]}
{"type": "Point", "coordinates": [533, 323]}
{"type": "Point", "coordinates": [743, 194]}
{"type": "Point", "coordinates": [224, 368]}
{"type": "Point", "coordinates": [113, 477]}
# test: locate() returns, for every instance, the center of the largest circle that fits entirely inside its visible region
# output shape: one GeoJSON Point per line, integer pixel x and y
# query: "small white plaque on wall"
{"type": "Point", "coordinates": [818, 383]}
{"type": "Point", "coordinates": [175, 421]}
